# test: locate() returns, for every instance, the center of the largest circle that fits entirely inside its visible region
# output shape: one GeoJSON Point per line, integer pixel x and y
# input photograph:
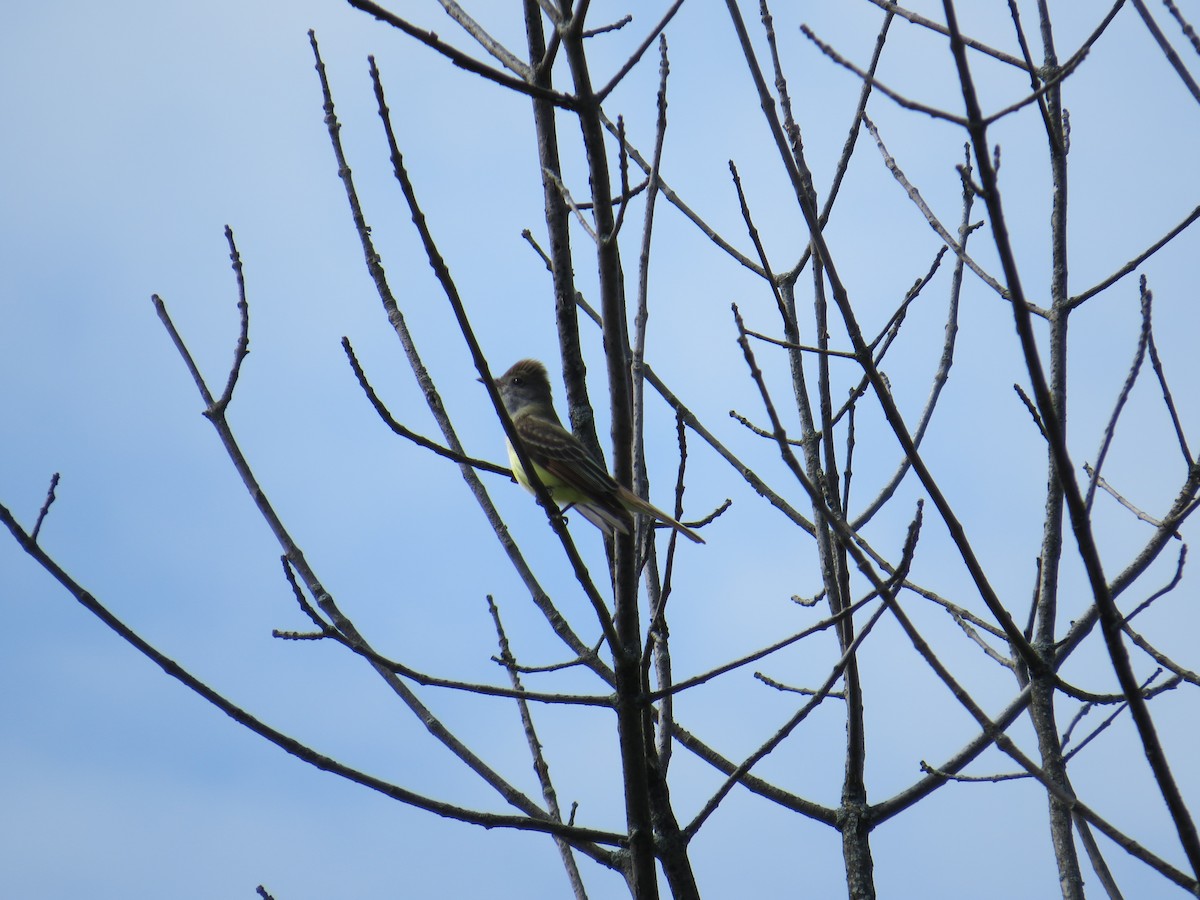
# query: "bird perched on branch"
{"type": "Point", "coordinates": [571, 475]}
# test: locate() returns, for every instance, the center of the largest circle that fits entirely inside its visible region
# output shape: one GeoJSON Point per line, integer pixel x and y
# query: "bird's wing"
{"type": "Point", "coordinates": [560, 453]}
{"type": "Point", "coordinates": [601, 500]}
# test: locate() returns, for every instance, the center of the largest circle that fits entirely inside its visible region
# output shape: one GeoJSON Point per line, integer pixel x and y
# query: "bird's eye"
{"type": "Point", "coordinates": [518, 380]}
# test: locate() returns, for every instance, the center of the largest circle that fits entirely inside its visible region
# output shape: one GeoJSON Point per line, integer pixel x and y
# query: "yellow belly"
{"type": "Point", "coordinates": [562, 493]}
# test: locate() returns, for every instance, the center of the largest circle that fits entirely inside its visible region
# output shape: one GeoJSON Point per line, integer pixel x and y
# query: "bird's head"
{"type": "Point", "coordinates": [525, 384]}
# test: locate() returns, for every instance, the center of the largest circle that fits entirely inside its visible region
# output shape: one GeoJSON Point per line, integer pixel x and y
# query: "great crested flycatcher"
{"type": "Point", "coordinates": [570, 474]}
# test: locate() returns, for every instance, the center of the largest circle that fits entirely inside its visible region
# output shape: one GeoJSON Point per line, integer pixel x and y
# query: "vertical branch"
{"type": "Point", "coordinates": [636, 744]}
{"type": "Point", "coordinates": [856, 849]}
{"type": "Point", "coordinates": [642, 317]}
{"type": "Point", "coordinates": [1041, 703]}
{"type": "Point", "coordinates": [785, 289]}
{"type": "Point", "coordinates": [641, 321]}
{"type": "Point", "coordinates": [242, 349]}
{"type": "Point", "coordinates": [657, 634]}
{"type": "Point", "coordinates": [566, 310]}
{"type": "Point", "coordinates": [657, 746]}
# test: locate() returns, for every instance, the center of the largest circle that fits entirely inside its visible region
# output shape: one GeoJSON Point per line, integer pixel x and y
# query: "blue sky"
{"type": "Point", "coordinates": [138, 130]}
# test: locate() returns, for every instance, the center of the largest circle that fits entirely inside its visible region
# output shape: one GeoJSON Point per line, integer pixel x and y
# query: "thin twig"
{"type": "Point", "coordinates": [1188, 31]}
{"type": "Point", "coordinates": [1116, 276]}
{"type": "Point", "coordinates": [763, 433]}
{"type": "Point", "coordinates": [605, 29]}
{"type": "Point", "coordinates": [1098, 481]}
{"type": "Point", "coordinates": [1108, 720]}
{"type": "Point", "coordinates": [501, 53]}
{"type": "Point", "coordinates": [1165, 589]}
{"type": "Point", "coordinates": [844, 354]}
{"type": "Point", "coordinates": [1161, 658]}
{"type": "Point", "coordinates": [242, 347]}
{"type": "Point", "coordinates": [540, 766]}
{"type": "Point", "coordinates": [461, 59]}
{"type": "Point", "coordinates": [1169, 401]}
{"type": "Point", "coordinates": [1123, 395]}
{"type": "Point", "coordinates": [1099, 866]}
{"type": "Point", "coordinates": [732, 665]}
{"type": "Point", "coordinates": [915, 195]}
{"type": "Point", "coordinates": [41, 517]}
{"type": "Point", "coordinates": [789, 689]}
{"type": "Point", "coordinates": [571, 204]}
{"type": "Point", "coordinates": [1032, 409]}
{"type": "Point", "coordinates": [756, 239]}
{"type": "Point", "coordinates": [637, 54]}
{"type": "Point", "coordinates": [688, 212]}
{"type": "Point", "coordinates": [1181, 508]}
{"type": "Point", "coordinates": [891, 6]}
{"type": "Point", "coordinates": [403, 432]}
{"type": "Point", "coordinates": [895, 96]}
{"type": "Point", "coordinates": [1167, 50]}
{"type": "Point", "coordinates": [289, 572]}
{"type": "Point", "coordinates": [972, 779]}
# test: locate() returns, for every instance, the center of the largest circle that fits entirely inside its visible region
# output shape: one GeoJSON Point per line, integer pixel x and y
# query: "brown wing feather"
{"type": "Point", "coordinates": [561, 454]}
{"type": "Point", "coordinates": [557, 450]}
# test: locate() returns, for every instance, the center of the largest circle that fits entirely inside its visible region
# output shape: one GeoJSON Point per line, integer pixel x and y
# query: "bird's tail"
{"type": "Point", "coordinates": [634, 502]}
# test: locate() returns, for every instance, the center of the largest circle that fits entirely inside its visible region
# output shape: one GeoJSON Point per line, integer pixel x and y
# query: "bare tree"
{"type": "Point", "coordinates": [909, 575]}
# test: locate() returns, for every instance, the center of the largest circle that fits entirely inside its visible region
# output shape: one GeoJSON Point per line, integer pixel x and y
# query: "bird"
{"type": "Point", "coordinates": [573, 477]}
